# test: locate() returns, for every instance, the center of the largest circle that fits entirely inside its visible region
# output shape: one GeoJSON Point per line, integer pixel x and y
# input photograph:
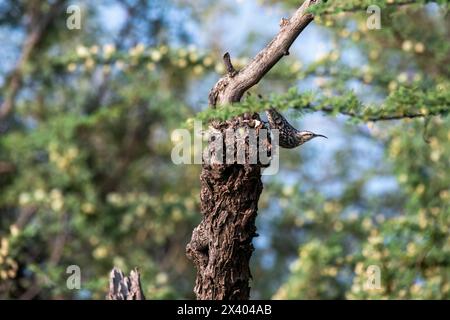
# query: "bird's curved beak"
{"type": "Point", "coordinates": [320, 135]}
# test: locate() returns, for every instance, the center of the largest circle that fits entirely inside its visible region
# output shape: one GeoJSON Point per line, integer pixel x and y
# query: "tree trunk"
{"type": "Point", "coordinates": [123, 287]}
{"type": "Point", "coordinates": [221, 245]}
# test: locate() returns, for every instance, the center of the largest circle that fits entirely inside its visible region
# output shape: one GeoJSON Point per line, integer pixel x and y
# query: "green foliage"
{"type": "Point", "coordinates": [86, 176]}
{"type": "Point", "coordinates": [334, 7]}
{"type": "Point", "coordinates": [403, 231]}
{"type": "Point", "coordinates": [410, 247]}
{"type": "Point", "coordinates": [403, 103]}
{"type": "Point", "coordinates": [91, 180]}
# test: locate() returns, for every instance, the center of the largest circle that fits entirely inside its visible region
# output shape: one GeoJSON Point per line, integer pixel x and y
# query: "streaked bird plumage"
{"type": "Point", "coordinates": [289, 137]}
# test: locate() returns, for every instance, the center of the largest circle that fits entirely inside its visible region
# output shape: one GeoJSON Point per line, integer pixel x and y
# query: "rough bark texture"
{"type": "Point", "coordinates": [123, 287]}
{"type": "Point", "coordinates": [221, 245]}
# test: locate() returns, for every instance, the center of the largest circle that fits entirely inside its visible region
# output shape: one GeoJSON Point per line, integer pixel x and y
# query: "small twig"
{"type": "Point", "coordinates": [227, 61]}
{"type": "Point", "coordinates": [386, 117]}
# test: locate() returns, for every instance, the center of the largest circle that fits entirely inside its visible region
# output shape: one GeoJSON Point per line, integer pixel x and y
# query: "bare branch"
{"type": "Point", "coordinates": [382, 117]}
{"type": "Point", "coordinates": [230, 89]}
{"type": "Point", "coordinates": [230, 69]}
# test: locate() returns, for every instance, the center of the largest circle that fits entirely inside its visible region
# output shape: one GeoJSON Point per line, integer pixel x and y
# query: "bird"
{"type": "Point", "coordinates": [289, 137]}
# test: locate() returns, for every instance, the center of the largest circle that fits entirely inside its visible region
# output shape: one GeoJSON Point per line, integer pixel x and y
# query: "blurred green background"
{"type": "Point", "coordinates": [86, 176]}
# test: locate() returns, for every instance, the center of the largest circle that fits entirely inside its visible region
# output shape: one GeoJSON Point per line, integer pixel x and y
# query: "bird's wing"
{"type": "Point", "coordinates": [277, 121]}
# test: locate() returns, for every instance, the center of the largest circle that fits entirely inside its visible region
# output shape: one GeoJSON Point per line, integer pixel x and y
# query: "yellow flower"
{"type": "Point", "coordinates": [164, 50]}
{"type": "Point", "coordinates": [402, 178]}
{"type": "Point", "coordinates": [89, 63]}
{"type": "Point", "coordinates": [182, 63]}
{"type": "Point", "coordinates": [393, 85]}
{"type": "Point", "coordinates": [155, 55]}
{"type": "Point", "coordinates": [334, 56]}
{"type": "Point", "coordinates": [356, 36]}
{"type": "Point", "coordinates": [328, 207]}
{"type": "Point", "coordinates": [415, 289]}
{"type": "Point", "coordinates": [39, 195]}
{"type": "Point", "coordinates": [193, 57]}
{"type": "Point", "coordinates": [94, 49]}
{"type": "Point", "coordinates": [14, 229]}
{"type": "Point", "coordinates": [140, 210]}
{"type": "Point", "coordinates": [435, 155]}
{"type": "Point", "coordinates": [419, 47]}
{"type": "Point", "coordinates": [422, 219]}
{"type": "Point", "coordinates": [11, 274]}
{"type": "Point", "coordinates": [345, 33]}
{"type": "Point", "coordinates": [420, 189]}
{"type": "Point", "coordinates": [55, 194]}
{"type": "Point", "coordinates": [296, 66]}
{"type": "Point", "coordinates": [100, 252]}
{"type": "Point", "coordinates": [88, 208]}
{"type": "Point", "coordinates": [411, 249]}
{"type": "Point", "coordinates": [407, 45]}
{"type": "Point", "coordinates": [108, 50]}
{"type": "Point", "coordinates": [4, 247]}
{"type": "Point", "coordinates": [198, 70]}
{"type": "Point", "coordinates": [82, 51]}
{"type": "Point", "coordinates": [444, 194]}
{"type": "Point", "coordinates": [338, 226]}
{"type": "Point", "coordinates": [375, 240]}
{"type": "Point", "coordinates": [435, 211]}
{"type": "Point", "coordinates": [356, 288]}
{"type": "Point", "coordinates": [332, 271]}
{"type": "Point", "coordinates": [71, 67]}
{"type": "Point", "coordinates": [402, 77]}
{"type": "Point", "coordinates": [219, 68]}
{"type": "Point", "coordinates": [417, 77]}
{"type": "Point", "coordinates": [208, 61]}
{"type": "Point", "coordinates": [161, 278]}
{"type": "Point", "coordinates": [114, 198]}
{"type": "Point", "coordinates": [57, 204]}
{"type": "Point", "coordinates": [367, 78]}
{"type": "Point", "coordinates": [24, 198]}
{"type": "Point", "coordinates": [310, 214]}
{"type": "Point", "coordinates": [288, 191]}
{"type": "Point", "coordinates": [374, 54]}
{"type": "Point", "coordinates": [137, 50]}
